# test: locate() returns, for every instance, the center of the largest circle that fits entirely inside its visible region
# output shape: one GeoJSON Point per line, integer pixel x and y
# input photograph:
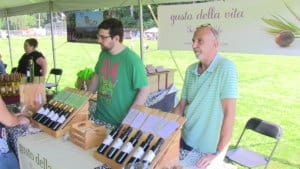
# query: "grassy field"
{"type": "Point", "coordinates": [268, 87]}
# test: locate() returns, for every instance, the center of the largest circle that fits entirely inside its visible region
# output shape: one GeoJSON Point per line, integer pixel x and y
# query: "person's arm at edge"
{"type": "Point", "coordinates": [229, 108]}
{"type": "Point", "coordinates": [225, 135]}
{"type": "Point", "coordinates": [94, 83]}
{"type": "Point", "coordinates": [8, 119]}
{"type": "Point", "coordinates": [179, 109]}
{"type": "Point", "coordinates": [141, 97]}
{"type": "Point", "coordinates": [43, 63]}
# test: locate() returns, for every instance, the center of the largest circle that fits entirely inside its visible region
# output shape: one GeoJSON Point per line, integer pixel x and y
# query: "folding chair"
{"type": "Point", "coordinates": [54, 72]}
{"type": "Point", "coordinates": [251, 159]}
{"type": "Point", "coordinates": [14, 69]}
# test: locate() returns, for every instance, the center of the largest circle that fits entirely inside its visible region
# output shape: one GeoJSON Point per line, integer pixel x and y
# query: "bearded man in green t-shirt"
{"type": "Point", "coordinates": [120, 77]}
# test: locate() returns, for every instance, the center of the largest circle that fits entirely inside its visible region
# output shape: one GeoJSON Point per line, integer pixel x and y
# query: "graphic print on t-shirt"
{"type": "Point", "coordinates": [108, 80]}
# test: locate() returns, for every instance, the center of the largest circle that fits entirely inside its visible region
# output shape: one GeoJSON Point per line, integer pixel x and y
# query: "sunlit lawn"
{"type": "Point", "coordinates": [269, 87]}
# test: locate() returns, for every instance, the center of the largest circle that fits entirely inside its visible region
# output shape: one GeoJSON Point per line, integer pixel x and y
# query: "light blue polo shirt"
{"type": "Point", "coordinates": [204, 93]}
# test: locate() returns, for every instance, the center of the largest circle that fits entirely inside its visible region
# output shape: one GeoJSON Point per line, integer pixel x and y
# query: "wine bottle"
{"type": "Point", "coordinates": [46, 112]}
{"type": "Point", "coordinates": [109, 139]}
{"type": "Point", "coordinates": [29, 71]}
{"type": "Point", "coordinates": [51, 115]}
{"type": "Point", "coordinates": [138, 154]}
{"type": "Point", "coordinates": [128, 147]}
{"type": "Point", "coordinates": [56, 117]}
{"type": "Point", "coordinates": [118, 143]}
{"type": "Point", "coordinates": [150, 155]}
{"type": "Point", "coordinates": [62, 119]}
{"type": "Point", "coordinates": [39, 113]}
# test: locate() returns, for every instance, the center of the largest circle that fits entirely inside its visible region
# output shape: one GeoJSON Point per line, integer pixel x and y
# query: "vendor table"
{"type": "Point", "coordinates": [41, 151]}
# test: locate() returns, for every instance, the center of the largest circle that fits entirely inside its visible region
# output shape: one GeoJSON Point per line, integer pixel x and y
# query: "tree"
{"type": "Point", "coordinates": [23, 21]}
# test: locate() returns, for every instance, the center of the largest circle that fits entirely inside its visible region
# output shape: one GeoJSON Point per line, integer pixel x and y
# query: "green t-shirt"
{"type": "Point", "coordinates": [204, 93]}
{"type": "Point", "coordinates": [120, 78]}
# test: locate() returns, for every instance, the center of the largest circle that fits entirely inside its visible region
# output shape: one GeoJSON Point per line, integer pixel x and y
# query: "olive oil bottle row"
{"type": "Point", "coordinates": [9, 84]}
{"type": "Point", "coordinates": [141, 153]}
{"type": "Point", "coordinates": [53, 114]}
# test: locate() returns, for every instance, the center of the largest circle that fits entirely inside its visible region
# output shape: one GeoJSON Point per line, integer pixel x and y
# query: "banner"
{"type": "Point", "coordinates": [246, 26]}
{"type": "Point", "coordinates": [82, 26]}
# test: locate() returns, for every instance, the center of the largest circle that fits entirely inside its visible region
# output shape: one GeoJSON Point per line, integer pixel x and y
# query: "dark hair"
{"type": "Point", "coordinates": [114, 26]}
{"type": "Point", "coordinates": [32, 42]}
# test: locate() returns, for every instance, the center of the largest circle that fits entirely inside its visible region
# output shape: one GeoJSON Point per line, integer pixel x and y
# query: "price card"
{"type": "Point", "coordinates": [130, 116]}
{"type": "Point", "coordinates": [168, 129]}
{"type": "Point", "coordinates": [139, 120]}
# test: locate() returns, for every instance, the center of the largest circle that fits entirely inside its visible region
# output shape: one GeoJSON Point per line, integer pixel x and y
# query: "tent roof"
{"type": "Point", "coordinates": [22, 7]}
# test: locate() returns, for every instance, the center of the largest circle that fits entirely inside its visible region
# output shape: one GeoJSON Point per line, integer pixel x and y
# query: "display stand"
{"type": "Point", "coordinates": [86, 134]}
{"type": "Point", "coordinates": [169, 152]}
{"type": "Point", "coordinates": [79, 114]}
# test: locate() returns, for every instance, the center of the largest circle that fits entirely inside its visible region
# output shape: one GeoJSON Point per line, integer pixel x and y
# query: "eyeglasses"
{"type": "Point", "coordinates": [103, 37]}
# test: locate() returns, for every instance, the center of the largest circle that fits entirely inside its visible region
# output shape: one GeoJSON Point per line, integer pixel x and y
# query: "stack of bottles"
{"type": "Point", "coordinates": [9, 84]}
{"type": "Point", "coordinates": [118, 146]}
{"type": "Point", "coordinates": [54, 114]}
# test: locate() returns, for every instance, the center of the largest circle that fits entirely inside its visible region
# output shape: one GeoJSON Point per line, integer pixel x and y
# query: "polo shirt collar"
{"type": "Point", "coordinates": [211, 67]}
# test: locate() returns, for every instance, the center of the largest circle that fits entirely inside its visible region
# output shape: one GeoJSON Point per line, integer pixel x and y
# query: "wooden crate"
{"type": "Point", "coordinates": [169, 152]}
{"type": "Point", "coordinates": [86, 134]}
{"type": "Point", "coordinates": [170, 78]}
{"type": "Point", "coordinates": [78, 115]}
{"type": "Point", "coordinates": [153, 82]}
{"type": "Point", "coordinates": [161, 80]}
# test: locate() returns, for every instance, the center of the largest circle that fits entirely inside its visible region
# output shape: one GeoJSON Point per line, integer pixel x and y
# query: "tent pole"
{"type": "Point", "coordinates": [9, 40]}
{"type": "Point", "coordinates": [141, 30]}
{"type": "Point", "coordinates": [52, 33]}
{"type": "Point", "coordinates": [52, 40]}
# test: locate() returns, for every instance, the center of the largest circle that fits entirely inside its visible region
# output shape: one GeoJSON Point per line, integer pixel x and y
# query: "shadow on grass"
{"type": "Point", "coordinates": [282, 161]}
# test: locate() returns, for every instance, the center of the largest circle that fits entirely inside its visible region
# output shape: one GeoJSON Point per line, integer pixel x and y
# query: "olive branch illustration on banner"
{"type": "Point", "coordinates": [285, 31]}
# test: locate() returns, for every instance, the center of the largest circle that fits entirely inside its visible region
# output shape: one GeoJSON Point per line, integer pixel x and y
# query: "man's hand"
{"type": "Point", "coordinates": [207, 160]}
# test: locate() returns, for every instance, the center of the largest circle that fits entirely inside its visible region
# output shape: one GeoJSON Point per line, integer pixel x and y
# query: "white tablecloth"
{"type": "Point", "coordinates": [41, 151]}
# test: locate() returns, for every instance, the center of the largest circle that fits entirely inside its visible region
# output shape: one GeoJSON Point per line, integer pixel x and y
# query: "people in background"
{"type": "Point", "coordinates": [8, 159]}
{"type": "Point", "coordinates": [120, 77]}
{"type": "Point", "coordinates": [2, 66]}
{"type": "Point", "coordinates": [40, 63]}
{"type": "Point", "coordinates": [208, 100]}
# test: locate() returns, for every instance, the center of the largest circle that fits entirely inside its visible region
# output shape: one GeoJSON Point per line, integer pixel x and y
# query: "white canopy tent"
{"type": "Point", "coordinates": [20, 7]}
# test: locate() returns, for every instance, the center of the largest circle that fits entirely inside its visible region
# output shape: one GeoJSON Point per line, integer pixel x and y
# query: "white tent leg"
{"type": "Point", "coordinates": [9, 41]}
{"type": "Point", "coordinates": [52, 34]}
{"type": "Point", "coordinates": [52, 39]}
{"type": "Point", "coordinates": [141, 30]}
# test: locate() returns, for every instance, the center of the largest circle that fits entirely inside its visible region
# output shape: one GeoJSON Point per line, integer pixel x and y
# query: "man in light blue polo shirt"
{"type": "Point", "coordinates": [208, 99]}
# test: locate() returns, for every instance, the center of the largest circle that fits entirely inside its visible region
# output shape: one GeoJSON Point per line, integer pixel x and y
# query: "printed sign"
{"type": "Point", "coordinates": [247, 26]}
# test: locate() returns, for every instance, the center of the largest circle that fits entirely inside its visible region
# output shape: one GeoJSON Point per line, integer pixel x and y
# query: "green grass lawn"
{"type": "Point", "coordinates": [269, 87]}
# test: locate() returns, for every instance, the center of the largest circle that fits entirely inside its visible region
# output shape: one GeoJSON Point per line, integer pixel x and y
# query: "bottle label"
{"type": "Point", "coordinates": [51, 114]}
{"type": "Point", "coordinates": [149, 156]}
{"type": "Point", "coordinates": [61, 120]}
{"type": "Point", "coordinates": [55, 117]}
{"type": "Point", "coordinates": [27, 73]}
{"type": "Point", "coordinates": [108, 140]}
{"type": "Point", "coordinates": [45, 112]}
{"type": "Point", "coordinates": [139, 153]}
{"type": "Point", "coordinates": [127, 148]}
{"type": "Point", "coordinates": [117, 144]}
{"type": "Point", "coordinates": [40, 111]}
